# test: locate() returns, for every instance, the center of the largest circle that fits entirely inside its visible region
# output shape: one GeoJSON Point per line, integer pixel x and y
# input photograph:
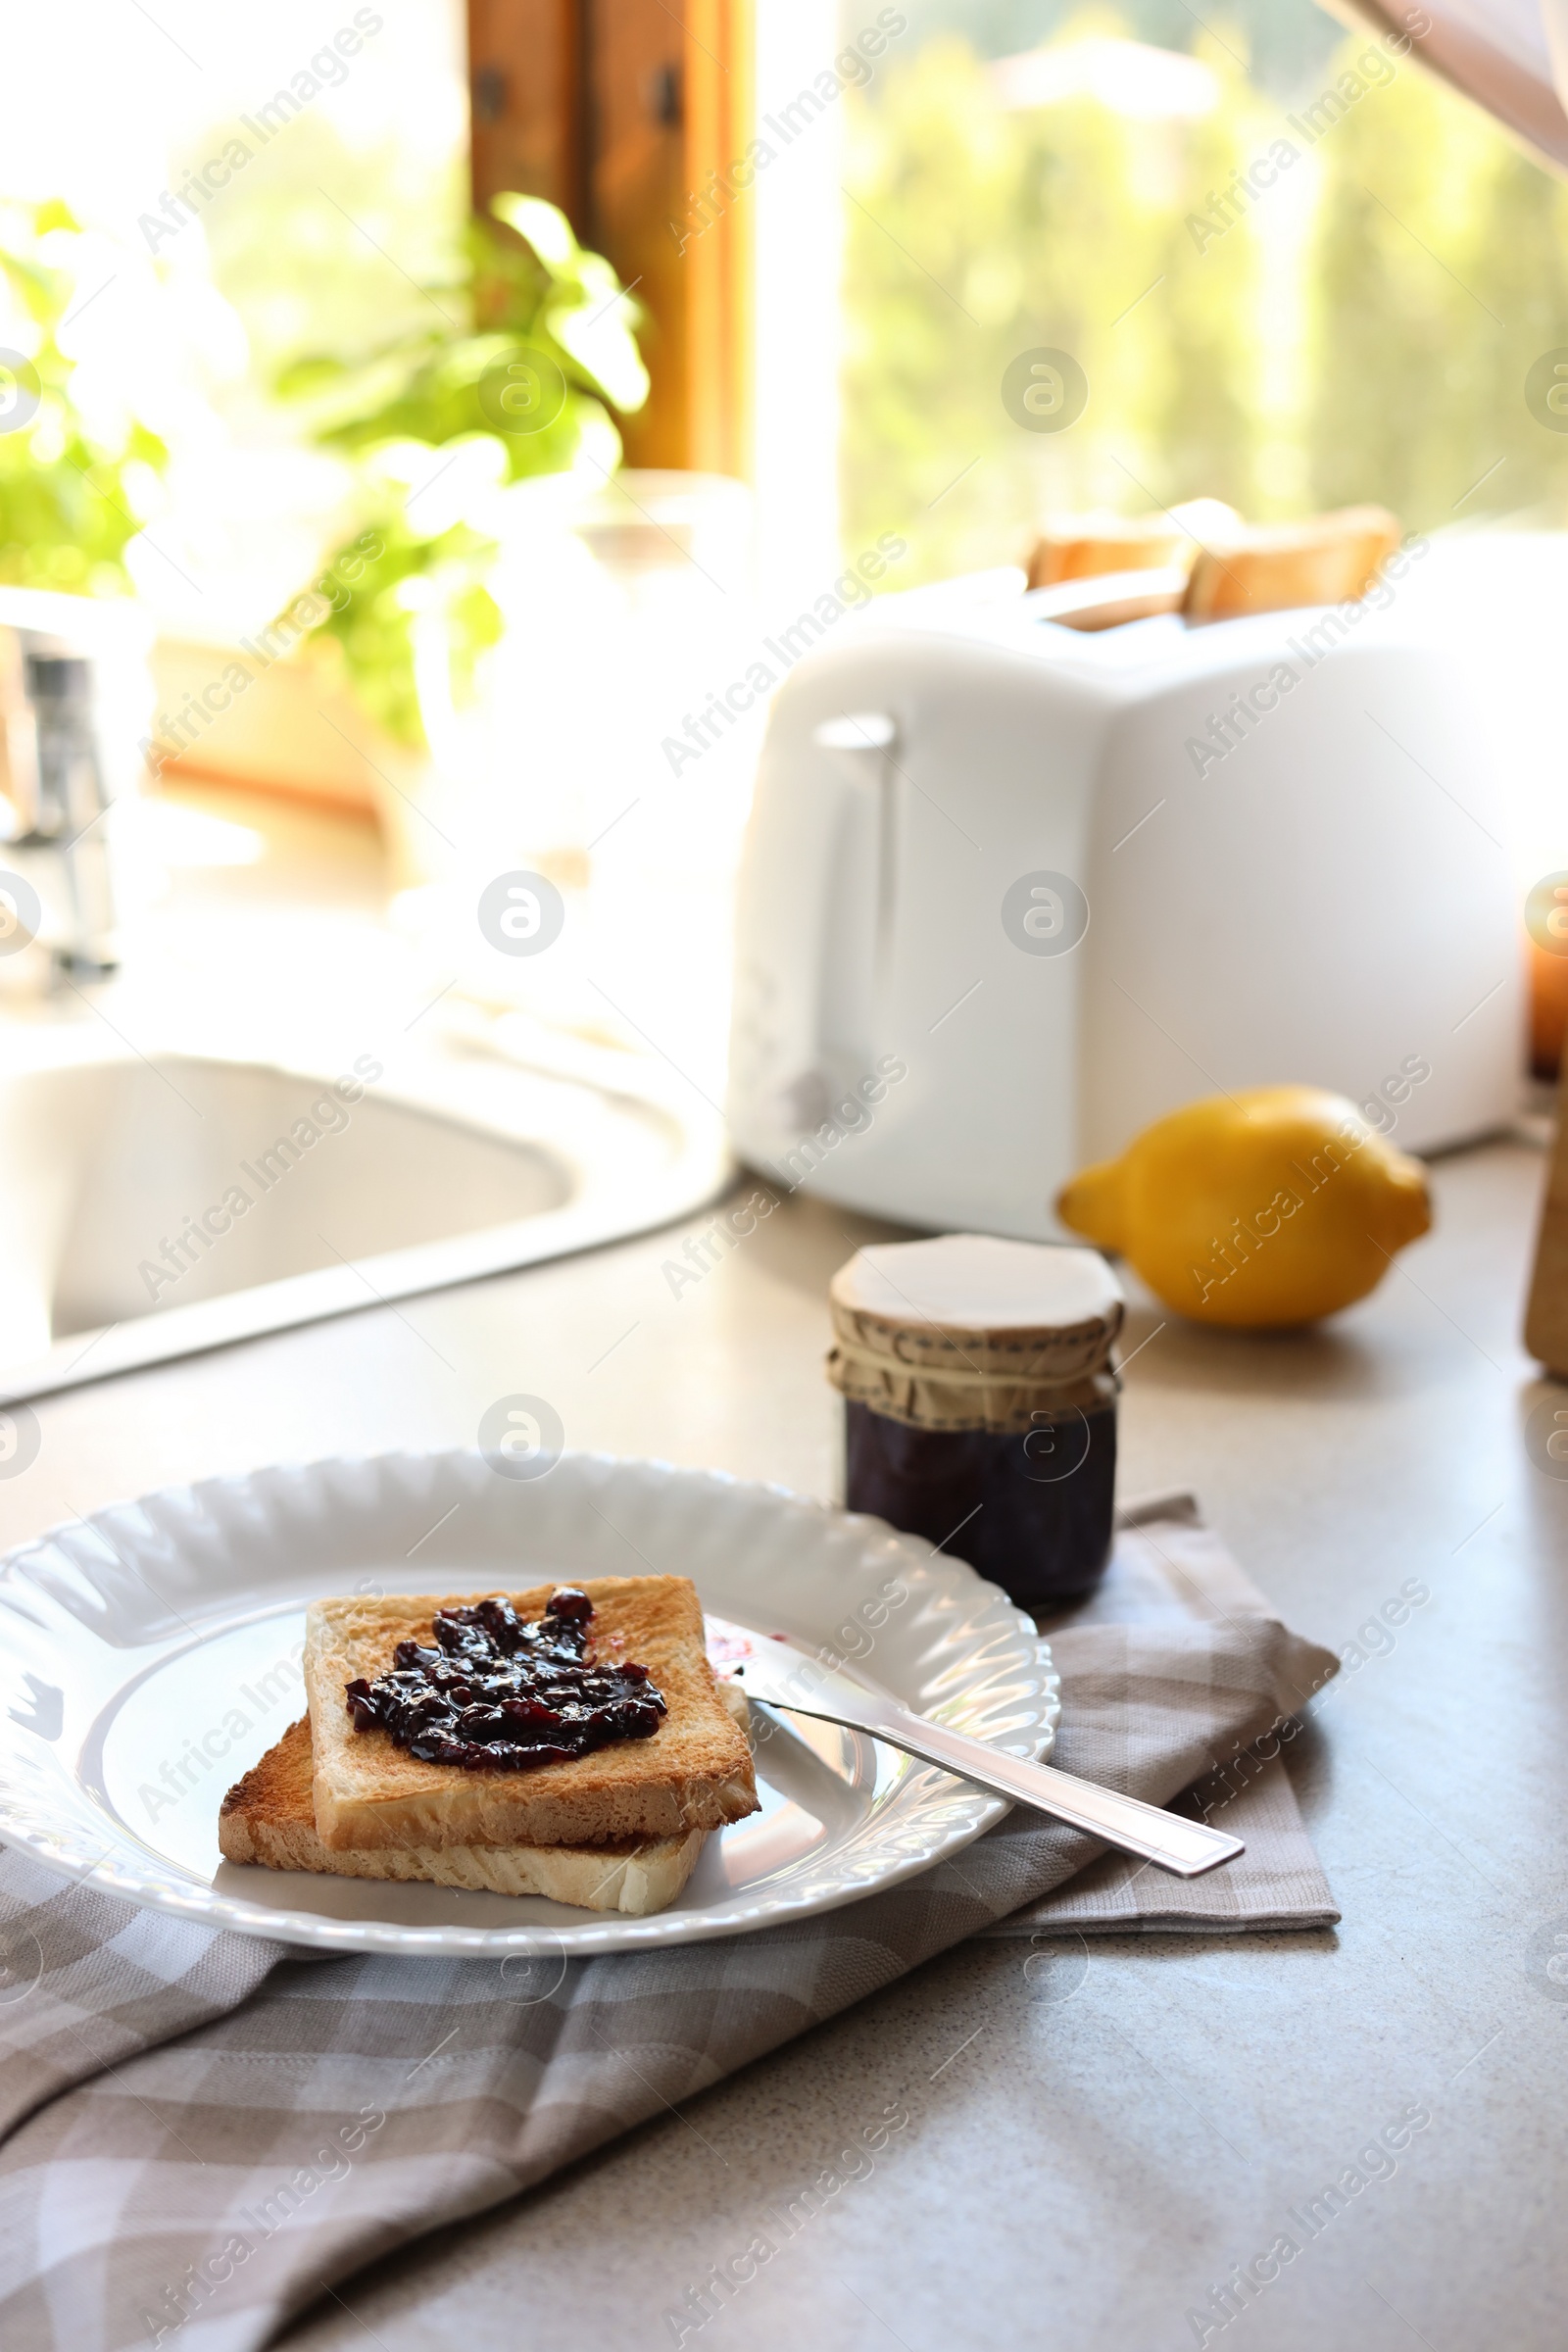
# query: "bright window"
{"type": "Point", "coordinates": [1356, 324]}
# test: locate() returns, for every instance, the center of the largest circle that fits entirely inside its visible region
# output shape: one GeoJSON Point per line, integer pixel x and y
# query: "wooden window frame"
{"type": "Point", "coordinates": [632, 115]}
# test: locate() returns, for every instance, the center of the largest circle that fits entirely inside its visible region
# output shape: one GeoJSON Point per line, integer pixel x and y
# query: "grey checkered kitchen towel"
{"type": "Point", "coordinates": [1170, 1569]}
{"type": "Point", "coordinates": [204, 2132]}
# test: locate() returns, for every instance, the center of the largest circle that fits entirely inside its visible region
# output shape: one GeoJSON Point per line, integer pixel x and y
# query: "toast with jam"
{"type": "Point", "coordinates": [568, 1740]}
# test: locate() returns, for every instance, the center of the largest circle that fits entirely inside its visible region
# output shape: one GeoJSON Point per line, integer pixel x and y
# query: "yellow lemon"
{"type": "Point", "coordinates": [1272, 1207]}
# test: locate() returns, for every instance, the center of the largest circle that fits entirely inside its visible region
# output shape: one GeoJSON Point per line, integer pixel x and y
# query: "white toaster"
{"type": "Point", "coordinates": [1013, 888]}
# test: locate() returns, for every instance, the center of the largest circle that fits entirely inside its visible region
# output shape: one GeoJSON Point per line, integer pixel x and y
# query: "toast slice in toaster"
{"type": "Point", "coordinates": [693, 1773]}
{"type": "Point", "coordinates": [270, 1818]}
{"type": "Point", "coordinates": [1080, 547]}
{"type": "Point", "coordinates": [1329, 560]}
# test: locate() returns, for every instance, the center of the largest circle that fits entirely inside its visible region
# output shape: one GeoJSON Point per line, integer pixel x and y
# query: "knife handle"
{"type": "Point", "coordinates": [1167, 1840]}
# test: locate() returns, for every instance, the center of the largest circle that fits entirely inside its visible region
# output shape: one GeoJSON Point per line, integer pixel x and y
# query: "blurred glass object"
{"type": "Point", "coordinates": [587, 786]}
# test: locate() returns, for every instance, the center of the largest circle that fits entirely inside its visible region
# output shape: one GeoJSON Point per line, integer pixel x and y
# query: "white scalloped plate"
{"type": "Point", "coordinates": [150, 1656]}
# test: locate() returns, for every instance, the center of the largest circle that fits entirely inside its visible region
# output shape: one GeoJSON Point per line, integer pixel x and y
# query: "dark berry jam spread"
{"type": "Point", "coordinates": [498, 1694]}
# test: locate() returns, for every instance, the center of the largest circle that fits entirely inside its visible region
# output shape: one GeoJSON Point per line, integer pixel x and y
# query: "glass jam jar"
{"type": "Point", "coordinates": [980, 1404]}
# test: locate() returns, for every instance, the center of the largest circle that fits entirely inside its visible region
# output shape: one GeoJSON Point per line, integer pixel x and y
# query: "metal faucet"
{"type": "Point", "coordinates": [51, 776]}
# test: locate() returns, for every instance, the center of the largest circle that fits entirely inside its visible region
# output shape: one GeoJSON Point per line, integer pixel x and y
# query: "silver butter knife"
{"type": "Point", "coordinates": [784, 1677]}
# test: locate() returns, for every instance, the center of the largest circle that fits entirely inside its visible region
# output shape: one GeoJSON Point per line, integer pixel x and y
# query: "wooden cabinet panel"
{"type": "Point", "coordinates": [639, 95]}
{"type": "Point", "coordinates": [528, 101]}
{"type": "Point", "coordinates": [631, 115]}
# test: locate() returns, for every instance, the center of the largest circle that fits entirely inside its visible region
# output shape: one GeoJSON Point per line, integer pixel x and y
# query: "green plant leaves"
{"type": "Point", "coordinates": [543, 349]}
{"type": "Point", "coordinates": [70, 495]}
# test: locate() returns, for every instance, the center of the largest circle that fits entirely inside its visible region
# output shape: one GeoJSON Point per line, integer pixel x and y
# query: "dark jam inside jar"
{"type": "Point", "coordinates": [496, 1692]}
{"type": "Point", "coordinates": [1031, 1510]}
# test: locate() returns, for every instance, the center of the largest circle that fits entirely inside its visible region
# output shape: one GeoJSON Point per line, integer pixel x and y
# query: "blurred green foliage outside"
{"type": "Point", "coordinates": [1363, 332]}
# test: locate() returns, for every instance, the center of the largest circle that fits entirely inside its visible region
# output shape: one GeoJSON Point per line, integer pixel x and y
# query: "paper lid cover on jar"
{"type": "Point", "coordinates": [970, 1331]}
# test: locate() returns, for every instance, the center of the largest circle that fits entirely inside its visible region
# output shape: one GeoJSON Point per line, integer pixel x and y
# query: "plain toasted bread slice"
{"type": "Point", "coordinates": [1329, 560]}
{"type": "Point", "coordinates": [1080, 547]}
{"type": "Point", "coordinates": [694, 1773]}
{"type": "Point", "coordinates": [270, 1818]}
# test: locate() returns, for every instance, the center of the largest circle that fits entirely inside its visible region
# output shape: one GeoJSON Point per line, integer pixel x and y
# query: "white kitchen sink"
{"type": "Point", "coordinates": [152, 1204]}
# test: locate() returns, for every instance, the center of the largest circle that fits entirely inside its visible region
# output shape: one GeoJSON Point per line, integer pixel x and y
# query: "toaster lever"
{"type": "Point", "coordinates": [864, 740]}
{"type": "Point", "coordinates": [856, 731]}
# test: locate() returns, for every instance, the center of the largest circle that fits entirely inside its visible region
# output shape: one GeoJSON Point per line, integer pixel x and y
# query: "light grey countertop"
{"type": "Point", "coordinates": [1089, 2148]}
